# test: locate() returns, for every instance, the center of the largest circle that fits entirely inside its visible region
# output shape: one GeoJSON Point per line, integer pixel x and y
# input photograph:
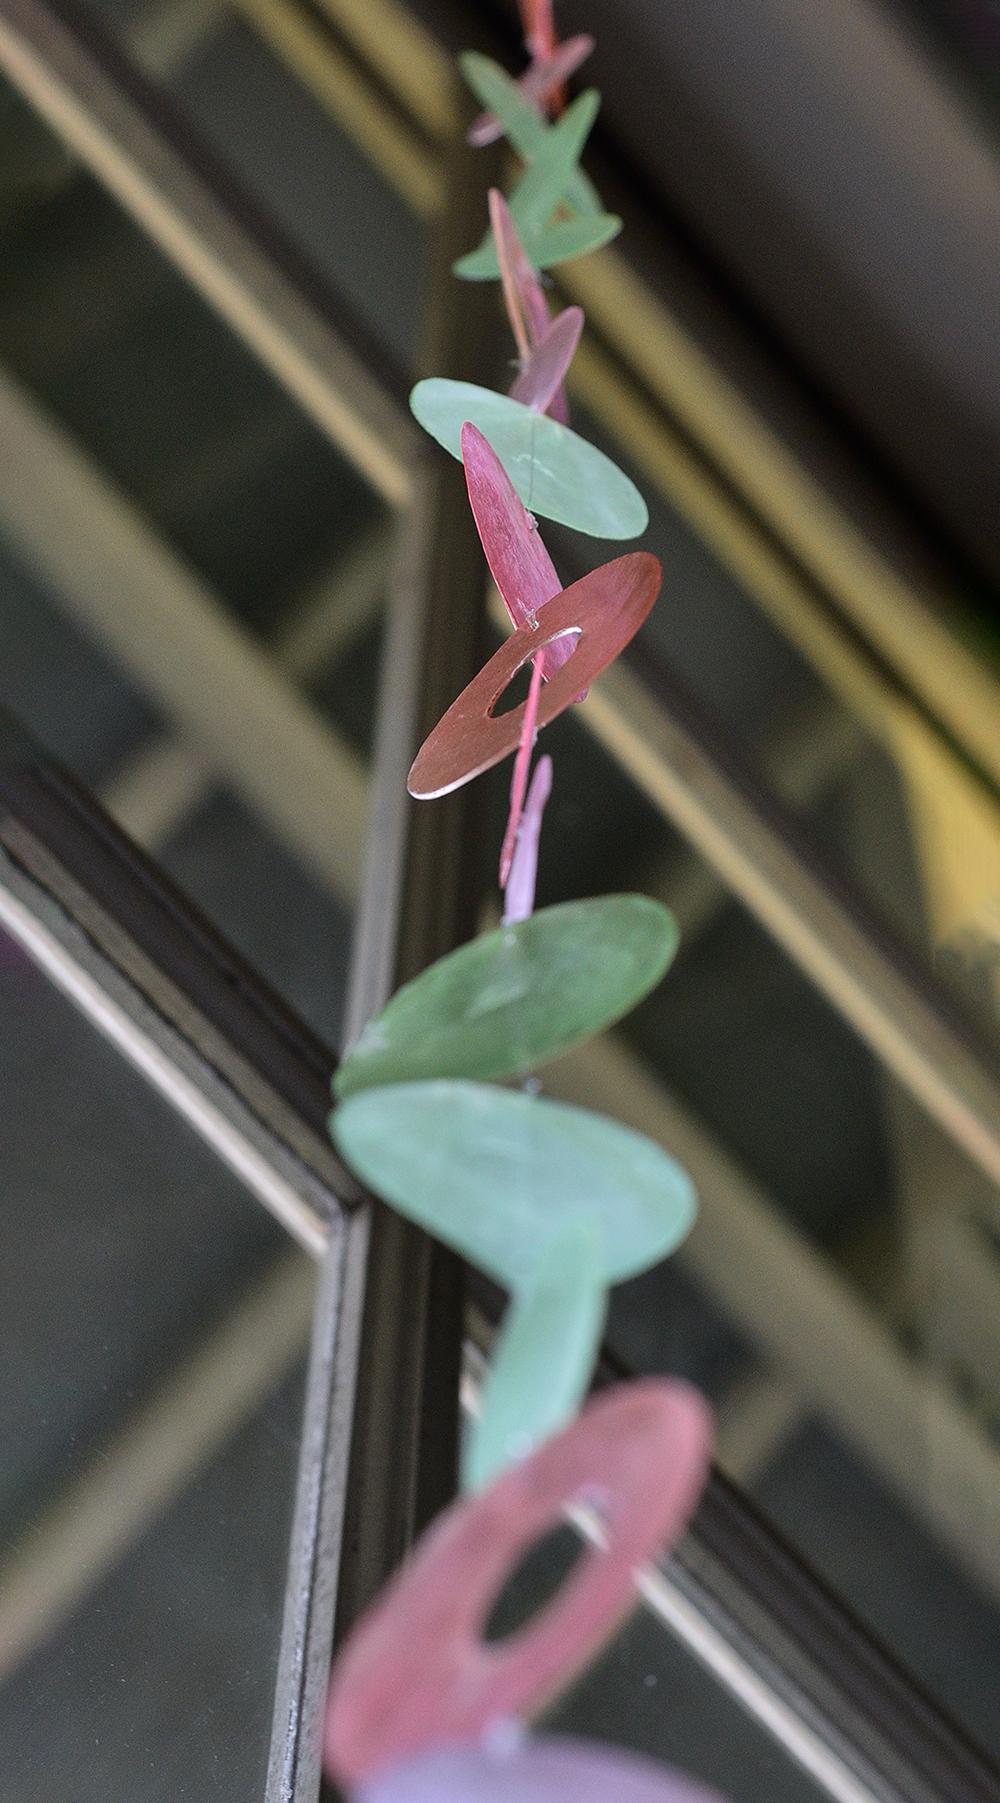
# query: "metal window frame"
{"type": "Point", "coordinates": [109, 913]}
{"type": "Point", "coordinates": [390, 1304]}
{"type": "Point", "coordinates": [739, 1598]}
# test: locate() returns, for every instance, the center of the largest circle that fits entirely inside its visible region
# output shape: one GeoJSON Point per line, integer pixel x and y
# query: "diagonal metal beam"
{"type": "Point", "coordinates": [807, 1320]}
{"type": "Point", "coordinates": [168, 779]}
{"type": "Point", "coordinates": [868, 978]}
{"type": "Point", "coordinates": [162, 624]}
{"type": "Point", "coordinates": [101, 112]}
{"type": "Point", "coordinates": [105, 1510]}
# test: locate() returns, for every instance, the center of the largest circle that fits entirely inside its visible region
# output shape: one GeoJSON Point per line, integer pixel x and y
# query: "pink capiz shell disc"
{"type": "Point", "coordinates": [543, 373]}
{"type": "Point", "coordinates": [416, 1672]}
{"type": "Point", "coordinates": [520, 565]}
{"type": "Point", "coordinates": [603, 611]}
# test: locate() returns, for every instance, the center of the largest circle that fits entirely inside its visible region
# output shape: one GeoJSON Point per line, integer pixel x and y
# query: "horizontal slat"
{"type": "Point", "coordinates": [174, 203]}
{"type": "Point", "coordinates": [764, 868]}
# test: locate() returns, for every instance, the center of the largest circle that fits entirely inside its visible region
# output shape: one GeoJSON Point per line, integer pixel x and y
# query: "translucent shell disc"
{"type": "Point", "coordinates": [602, 612]}
{"type": "Point", "coordinates": [497, 1174]}
{"type": "Point", "coordinates": [556, 472]}
{"type": "Point", "coordinates": [518, 996]}
{"type": "Point", "coordinates": [544, 1356]}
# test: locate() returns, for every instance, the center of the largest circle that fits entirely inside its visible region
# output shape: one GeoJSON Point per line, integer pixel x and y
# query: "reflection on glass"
{"type": "Point", "coordinates": [648, 1693]}
{"type": "Point", "coordinates": [154, 1321]}
{"type": "Point", "coordinates": [891, 1571]}
{"type": "Point", "coordinates": [840, 1299]}
{"type": "Point", "coordinates": [286, 109]}
{"type": "Point", "coordinates": [242, 528]}
{"type": "Point", "coordinates": [840, 1302]}
{"type": "Point", "coordinates": [825, 749]}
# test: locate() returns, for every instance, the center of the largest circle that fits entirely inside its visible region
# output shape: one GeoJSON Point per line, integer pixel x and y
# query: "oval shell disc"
{"type": "Point", "coordinates": [558, 474]}
{"type": "Point", "coordinates": [517, 996]}
{"type": "Point", "coordinates": [543, 1358]}
{"type": "Point", "coordinates": [544, 1768]}
{"type": "Point", "coordinates": [417, 1673]}
{"type": "Point", "coordinates": [606, 610]}
{"type": "Point", "coordinates": [497, 1174]}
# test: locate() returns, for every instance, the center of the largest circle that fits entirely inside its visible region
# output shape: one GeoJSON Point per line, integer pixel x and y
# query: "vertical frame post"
{"type": "Point", "coordinates": [384, 1366]}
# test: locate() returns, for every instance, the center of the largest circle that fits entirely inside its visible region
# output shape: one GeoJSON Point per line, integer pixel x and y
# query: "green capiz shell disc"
{"type": "Point", "coordinates": [496, 1174]}
{"type": "Point", "coordinates": [557, 473]}
{"type": "Point", "coordinates": [543, 1358]}
{"type": "Point", "coordinates": [550, 245]}
{"type": "Point", "coordinates": [518, 996]}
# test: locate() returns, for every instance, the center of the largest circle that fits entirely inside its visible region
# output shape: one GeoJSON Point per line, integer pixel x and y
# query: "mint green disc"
{"type": "Point", "coordinates": [527, 130]}
{"type": "Point", "coordinates": [545, 245]}
{"type": "Point", "coordinates": [497, 1174]}
{"type": "Point", "coordinates": [544, 1356]}
{"type": "Point", "coordinates": [552, 176]}
{"type": "Point", "coordinates": [535, 197]}
{"type": "Point", "coordinates": [556, 473]}
{"type": "Point", "coordinates": [517, 997]}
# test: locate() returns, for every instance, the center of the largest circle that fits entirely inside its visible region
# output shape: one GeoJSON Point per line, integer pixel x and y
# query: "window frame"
{"type": "Point", "coordinates": [390, 1303]}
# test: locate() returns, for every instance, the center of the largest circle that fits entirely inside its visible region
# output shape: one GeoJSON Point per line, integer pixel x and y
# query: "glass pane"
{"type": "Point", "coordinates": [808, 740]}
{"type": "Point", "coordinates": [293, 114]}
{"type": "Point", "coordinates": [649, 1693]}
{"type": "Point", "coordinates": [840, 1302]}
{"type": "Point", "coordinates": [154, 1324]}
{"type": "Point", "coordinates": [839, 1298]}
{"type": "Point", "coordinates": [258, 544]}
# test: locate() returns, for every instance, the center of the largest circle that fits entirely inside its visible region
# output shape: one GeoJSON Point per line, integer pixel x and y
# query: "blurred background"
{"type": "Point", "coordinates": [793, 349]}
